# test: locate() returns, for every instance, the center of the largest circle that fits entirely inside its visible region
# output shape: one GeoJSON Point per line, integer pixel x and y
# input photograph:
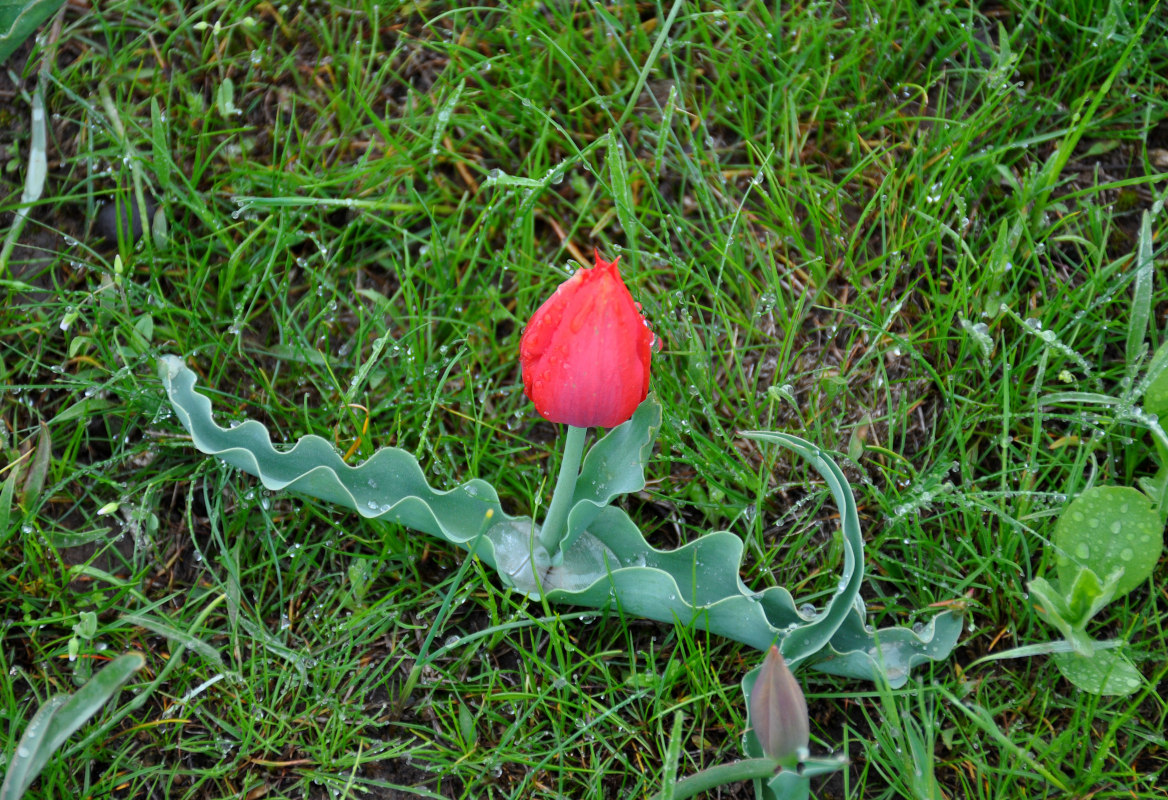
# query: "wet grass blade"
{"type": "Point", "coordinates": [1141, 291]}
{"type": "Point", "coordinates": [34, 180]}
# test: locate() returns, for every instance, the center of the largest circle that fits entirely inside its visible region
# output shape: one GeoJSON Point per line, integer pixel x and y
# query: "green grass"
{"type": "Point", "coordinates": [822, 205]}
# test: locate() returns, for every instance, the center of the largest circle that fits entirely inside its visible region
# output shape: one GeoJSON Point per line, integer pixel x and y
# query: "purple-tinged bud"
{"type": "Point", "coordinates": [778, 712]}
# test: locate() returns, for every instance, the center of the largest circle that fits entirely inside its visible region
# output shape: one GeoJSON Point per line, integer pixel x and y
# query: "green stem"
{"type": "Point", "coordinates": [746, 770]}
{"type": "Point", "coordinates": [552, 530]}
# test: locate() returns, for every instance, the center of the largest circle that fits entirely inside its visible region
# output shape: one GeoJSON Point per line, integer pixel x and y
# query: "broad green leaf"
{"type": "Point", "coordinates": [1109, 528]}
{"type": "Point", "coordinates": [1106, 672]}
{"type": "Point", "coordinates": [19, 20]}
{"type": "Point", "coordinates": [59, 718]}
{"type": "Point", "coordinates": [788, 785]}
{"type": "Point", "coordinates": [389, 486]}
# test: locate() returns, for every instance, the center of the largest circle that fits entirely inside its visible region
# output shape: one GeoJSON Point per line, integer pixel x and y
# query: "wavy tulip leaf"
{"type": "Point", "coordinates": [390, 485]}
{"type": "Point", "coordinates": [610, 564]}
{"type": "Point", "coordinates": [615, 465]}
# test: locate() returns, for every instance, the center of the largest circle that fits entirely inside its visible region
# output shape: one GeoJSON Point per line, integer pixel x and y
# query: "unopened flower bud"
{"type": "Point", "coordinates": [585, 353]}
{"type": "Point", "coordinates": [778, 712]}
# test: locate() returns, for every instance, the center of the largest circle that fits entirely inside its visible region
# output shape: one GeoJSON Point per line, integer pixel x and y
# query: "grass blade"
{"type": "Point", "coordinates": [622, 193]}
{"type": "Point", "coordinates": [6, 493]}
{"type": "Point", "coordinates": [34, 181]}
{"type": "Point", "coordinates": [1082, 119]}
{"type": "Point", "coordinates": [672, 757]}
{"type": "Point", "coordinates": [1141, 291]}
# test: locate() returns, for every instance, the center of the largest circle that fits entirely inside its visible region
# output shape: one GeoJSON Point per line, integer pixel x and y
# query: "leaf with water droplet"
{"type": "Point", "coordinates": [1105, 672]}
{"type": "Point", "coordinates": [1111, 528]}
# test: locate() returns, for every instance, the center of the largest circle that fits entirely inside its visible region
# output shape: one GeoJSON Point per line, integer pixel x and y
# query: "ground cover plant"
{"type": "Point", "coordinates": [904, 232]}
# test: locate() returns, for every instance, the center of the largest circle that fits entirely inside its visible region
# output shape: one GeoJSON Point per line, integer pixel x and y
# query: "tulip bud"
{"type": "Point", "coordinates": [585, 352]}
{"type": "Point", "coordinates": [778, 712]}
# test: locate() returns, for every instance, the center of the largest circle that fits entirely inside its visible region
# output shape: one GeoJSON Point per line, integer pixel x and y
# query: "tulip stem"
{"type": "Point", "coordinates": [552, 530]}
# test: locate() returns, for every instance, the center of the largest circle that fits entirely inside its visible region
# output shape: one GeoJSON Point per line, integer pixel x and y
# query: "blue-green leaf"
{"type": "Point", "coordinates": [610, 564]}
{"type": "Point", "coordinates": [615, 465]}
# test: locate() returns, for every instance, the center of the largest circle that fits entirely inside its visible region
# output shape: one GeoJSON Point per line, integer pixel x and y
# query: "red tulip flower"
{"type": "Point", "coordinates": [585, 352]}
